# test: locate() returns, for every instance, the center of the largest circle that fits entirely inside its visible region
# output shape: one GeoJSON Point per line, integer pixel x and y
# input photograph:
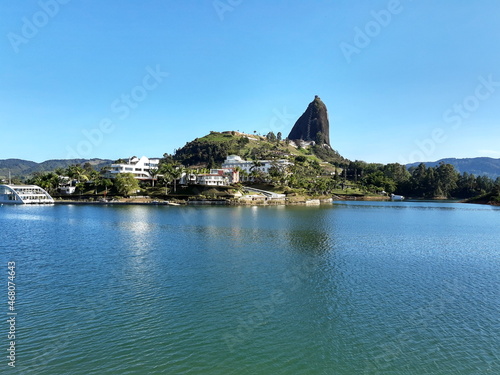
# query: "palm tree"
{"type": "Point", "coordinates": [60, 171]}
{"type": "Point", "coordinates": [48, 181]}
{"type": "Point", "coordinates": [153, 172]}
{"type": "Point", "coordinates": [78, 173]}
{"type": "Point", "coordinates": [107, 183]}
{"type": "Point", "coordinates": [103, 179]}
{"type": "Point", "coordinates": [176, 174]}
{"type": "Point", "coordinates": [170, 173]}
{"type": "Point", "coordinates": [255, 172]}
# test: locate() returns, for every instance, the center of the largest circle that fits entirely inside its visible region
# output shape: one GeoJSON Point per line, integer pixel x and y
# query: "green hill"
{"type": "Point", "coordinates": [492, 198]}
{"type": "Point", "coordinates": [25, 168]}
{"type": "Point", "coordinates": [211, 150]}
{"type": "Point", "coordinates": [17, 167]}
{"type": "Point", "coordinates": [481, 166]}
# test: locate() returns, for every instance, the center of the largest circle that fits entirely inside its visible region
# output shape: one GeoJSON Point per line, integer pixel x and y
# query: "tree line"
{"type": "Point", "coordinates": [88, 181]}
{"type": "Point", "coordinates": [306, 175]}
{"type": "Point", "coordinates": [441, 181]}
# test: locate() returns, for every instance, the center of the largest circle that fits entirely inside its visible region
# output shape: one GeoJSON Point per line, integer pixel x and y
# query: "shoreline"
{"type": "Point", "coordinates": [114, 203]}
{"type": "Point", "coordinates": [291, 201]}
{"type": "Point", "coordinates": [256, 202]}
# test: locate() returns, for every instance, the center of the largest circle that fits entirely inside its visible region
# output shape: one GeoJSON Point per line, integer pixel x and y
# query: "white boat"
{"type": "Point", "coordinates": [395, 197]}
{"type": "Point", "coordinates": [24, 194]}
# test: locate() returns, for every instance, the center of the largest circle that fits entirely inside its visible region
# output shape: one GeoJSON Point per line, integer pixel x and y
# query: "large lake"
{"type": "Point", "coordinates": [347, 288]}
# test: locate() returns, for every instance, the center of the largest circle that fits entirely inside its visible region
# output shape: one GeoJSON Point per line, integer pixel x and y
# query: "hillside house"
{"type": "Point", "coordinates": [263, 166]}
{"type": "Point", "coordinates": [138, 167]}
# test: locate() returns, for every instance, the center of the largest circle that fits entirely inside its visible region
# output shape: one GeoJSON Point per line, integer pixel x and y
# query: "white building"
{"type": "Point", "coordinates": [138, 167]}
{"type": "Point", "coordinates": [216, 177]}
{"type": "Point", "coordinates": [67, 185]}
{"type": "Point", "coordinates": [233, 161]}
{"type": "Point", "coordinates": [24, 194]}
{"type": "Point", "coordinates": [212, 180]}
{"type": "Point", "coordinates": [67, 190]}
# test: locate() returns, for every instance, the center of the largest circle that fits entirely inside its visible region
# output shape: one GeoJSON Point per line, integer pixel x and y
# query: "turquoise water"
{"type": "Point", "coordinates": [348, 288]}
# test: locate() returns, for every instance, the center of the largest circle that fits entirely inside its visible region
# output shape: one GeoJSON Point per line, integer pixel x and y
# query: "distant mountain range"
{"type": "Point", "coordinates": [478, 166]}
{"type": "Point", "coordinates": [23, 168]}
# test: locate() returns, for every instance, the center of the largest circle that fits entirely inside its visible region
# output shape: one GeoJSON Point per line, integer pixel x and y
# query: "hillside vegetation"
{"type": "Point", "coordinates": [319, 170]}
{"type": "Point", "coordinates": [211, 150]}
{"type": "Point", "coordinates": [25, 168]}
{"type": "Point", "coordinates": [492, 197]}
{"type": "Point", "coordinates": [482, 166]}
{"type": "Point", "coordinates": [314, 171]}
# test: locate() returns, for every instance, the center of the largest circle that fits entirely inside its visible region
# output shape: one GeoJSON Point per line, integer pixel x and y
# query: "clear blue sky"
{"type": "Point", "coordinates": [403, 80]}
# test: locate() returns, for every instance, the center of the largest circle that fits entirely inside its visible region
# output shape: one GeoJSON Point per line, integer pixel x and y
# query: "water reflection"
{"type": "Point", "coordinates": [418, 205]}
{"type": "Point", "coordinates": [295, 289]}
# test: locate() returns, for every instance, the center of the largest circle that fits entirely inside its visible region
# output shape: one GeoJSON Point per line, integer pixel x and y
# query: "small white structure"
{"type": "Point", "coordinates": [24, 194]}
{"type": "Point", "coordinates": [233, 161]}
{"type": "Point", "coordinates": [187, 178]}
{"type": "Point", "coordinates": [313, 202]}
{"type": "Point", "coordinates": [266, 194]}
{"type": "Point", "coordinates": [212, 180]}
{"type": "Point", "coordinates": [67, 186]}
{"type": "Point", "coordinates": [395, 197]}
{"type": "Point", "coordinates": [138, 167]}
{"type": "Point", "coordinates": [217, 177]}
{"type": "Point", "coordinates": [67, 190]}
